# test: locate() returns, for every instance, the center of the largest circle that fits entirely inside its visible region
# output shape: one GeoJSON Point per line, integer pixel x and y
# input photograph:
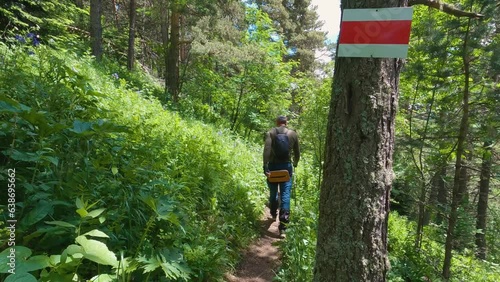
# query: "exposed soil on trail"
{"type": "Point", "coordinates": [262, 258]}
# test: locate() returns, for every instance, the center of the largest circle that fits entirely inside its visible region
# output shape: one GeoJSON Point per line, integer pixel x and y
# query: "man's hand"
{"type": "Point", "coordinates": [266, 171]}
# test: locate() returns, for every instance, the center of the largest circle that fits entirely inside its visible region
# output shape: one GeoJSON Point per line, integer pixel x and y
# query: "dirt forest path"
{"type": "Point", "coordinates": [262, 258]}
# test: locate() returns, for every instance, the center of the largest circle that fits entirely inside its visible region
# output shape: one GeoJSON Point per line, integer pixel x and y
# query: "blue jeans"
{"type": "Point", "coordinates": [285, 189]}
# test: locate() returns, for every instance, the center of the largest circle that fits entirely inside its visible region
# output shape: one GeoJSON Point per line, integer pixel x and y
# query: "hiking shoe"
{"type": "Point", "coordinates": [274, 215]}
{"type": "Point", "coordinates": [282, 234]}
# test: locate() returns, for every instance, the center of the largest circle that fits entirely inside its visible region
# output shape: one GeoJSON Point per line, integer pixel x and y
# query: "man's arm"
{"type": "Point", "coordinates": [296, 151]}
{"type": "Point", "coordinates": [267, 151]}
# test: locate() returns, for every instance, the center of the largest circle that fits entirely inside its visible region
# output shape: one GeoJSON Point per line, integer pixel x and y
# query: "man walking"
{"type": "Point", "coordinates": [281, 151]}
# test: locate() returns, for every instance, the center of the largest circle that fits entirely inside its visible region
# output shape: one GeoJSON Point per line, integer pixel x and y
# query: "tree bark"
{"type": "Point", "coordinates": [172, 79]}
{"type": "Point", "coordinates": [482, 204]}
{"type": "Point", "coordinates": [357, 177]}
{"type": "Point", "coordinates": [162, 7]}
{"type": "Point", "coordinates": [96, 28]}
{"type": "Point", "coordinates": [352, 244]}
{"type": "Point", "coordinates": [131, 36]}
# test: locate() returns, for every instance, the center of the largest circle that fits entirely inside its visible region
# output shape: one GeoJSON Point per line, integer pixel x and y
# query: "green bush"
{"type": "Point", "coordinates": [299, 248]}
{"type": "Point", "coordinates": [424, 264]}
{"type": "Point", "coordinates": [175, 198]}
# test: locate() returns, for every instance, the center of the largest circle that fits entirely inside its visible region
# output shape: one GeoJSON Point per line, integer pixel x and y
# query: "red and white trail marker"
{"type": "Point", "coordinates": [377, 33]}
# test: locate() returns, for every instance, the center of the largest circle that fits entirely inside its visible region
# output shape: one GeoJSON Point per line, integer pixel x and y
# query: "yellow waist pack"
{"type": "Point", "coordinates": [278, 176]}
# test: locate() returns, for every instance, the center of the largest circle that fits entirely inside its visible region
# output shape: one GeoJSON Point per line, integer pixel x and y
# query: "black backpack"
{"type": "Point", "coordinates": [281, 146]}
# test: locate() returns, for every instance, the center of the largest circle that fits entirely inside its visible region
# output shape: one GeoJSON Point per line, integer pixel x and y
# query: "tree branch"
{"type": "Point", "coordinates": [447, 8]}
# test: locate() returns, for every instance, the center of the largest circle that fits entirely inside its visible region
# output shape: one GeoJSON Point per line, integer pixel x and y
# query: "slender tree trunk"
{"type": "Point", "coordinates": [172, 81]}
{"type": "Point", "coordinates": [422, 211]}
{"type": "Point", "coordinates": [464, 176]}
{"type": "Point", "coordinates": [164, 25]}
{"type": "Point", "coordinates": [236, 112]}
{"type": "Point", "coordinates": [115, 14]}
{"type": "Point", "coordinates": [462, 239]}
{"type": "Point", "coordinates": [96, 28]}
{"type": "Point", "coordinates": [131, 36]}
{"type": "Point", "coordinates": [438, 195]}
{"type": "Point", "coordinates": [357, 177]}
{"type": "Point", "coordinates": [462, 136]}
{"type": "Point", "coordinates": [439, 183]}
{"type": "Point", "coordinates": [482, 204]}
{"type": "Point", "coordinates": [82, 20]}
{"type": "Point", "coordinates": [320, 150]}
{"type": "Point", "coordinates": [421, 215]}
{"type": "Point", "coordinates": [79, 3]}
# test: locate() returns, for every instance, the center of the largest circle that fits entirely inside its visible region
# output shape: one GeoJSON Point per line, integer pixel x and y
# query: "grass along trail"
{"type": "Point", "coordinates": [262, 258]}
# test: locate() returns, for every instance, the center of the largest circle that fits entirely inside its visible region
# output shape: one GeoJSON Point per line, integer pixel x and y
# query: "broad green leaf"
{"type": "Point", "coordinates": [8, 108]}
{"type": "Point", "coordinates": [41, 210]}
{"type": "Point", "coordinates": [60, 223]}
{"type": "Point", "coordinates": [74, 249]}
{"type": "Point", "coordinates": [79, 203]}
{"type": "Point", "coordinates": [21, 277]}
{"type": "Point", "coordinates": [33, 263]}
{"type": "Point", "coordinates": [81, 126]}
{"type": "Point", "coordinates": [97, 251]}
{"type": "Point", "coordinates": [82, 212]}
{"type": "Point", "coordinates": [54, 276]}
{"type": "Point", "coordinates": [103, 278]}
{"type": "Point", "coordinates": [97, 233]}
{"type": "Point", "coordinates": [53, 160]}
{"type": "Point", "coordinates": [54, 260]}
{"type": "Point", "coordinates": [41, 231]}
{"type": "Point", "coordinates": [114, 170]}
{"type": "Point", "coordinates": [71, 250]}
{"type": "Point", "coordinates": [36, 118]}
{"type": "Point", "coordinates": [23, 156]}
{"type": "Point", "coordinates": [96, 213]}
{"type": "Point", "coordinates": [6, 256]}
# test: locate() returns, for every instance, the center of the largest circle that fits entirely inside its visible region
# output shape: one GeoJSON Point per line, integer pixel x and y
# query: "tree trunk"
{"type": "Point", "coordinates": [131, 36]}
{"type": "Point", "coordinates": [482, 204]}
{"type": "Point", "coordinates": [357, 177]}
{"type": "Point", "coordinates": [172, 79]}
{"type": "Point", "coordinates": [236, 111]}
{"type": "Point", "coordinates": [438, 181]}
{"type": "Point", "coordinates": [422, 201]}
{"type": "Point", "coordinates": [79, 3]}
{"type": "Point", "coordinates": [439, 194]}
{"type": "Point", "coordinates": [462, 136]}
{"type": "Point", "coordinates": [164, 19]}
{"type": "Point", "coordinates": [96, 28]}
{"type": "Point", "coordinates": [115, 14]}
{"type": "Point", "coordinates": [462, 238]}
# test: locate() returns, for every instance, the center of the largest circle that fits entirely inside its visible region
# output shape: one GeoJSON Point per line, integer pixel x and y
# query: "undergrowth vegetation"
{"type": "Point", "coordinates": [407, 264]}
{"type": "Point", "coordinates": [109, 183]}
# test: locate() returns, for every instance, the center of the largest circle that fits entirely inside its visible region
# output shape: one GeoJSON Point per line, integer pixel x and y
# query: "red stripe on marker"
{"type": "Point", "coordinates": [375, 32]}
